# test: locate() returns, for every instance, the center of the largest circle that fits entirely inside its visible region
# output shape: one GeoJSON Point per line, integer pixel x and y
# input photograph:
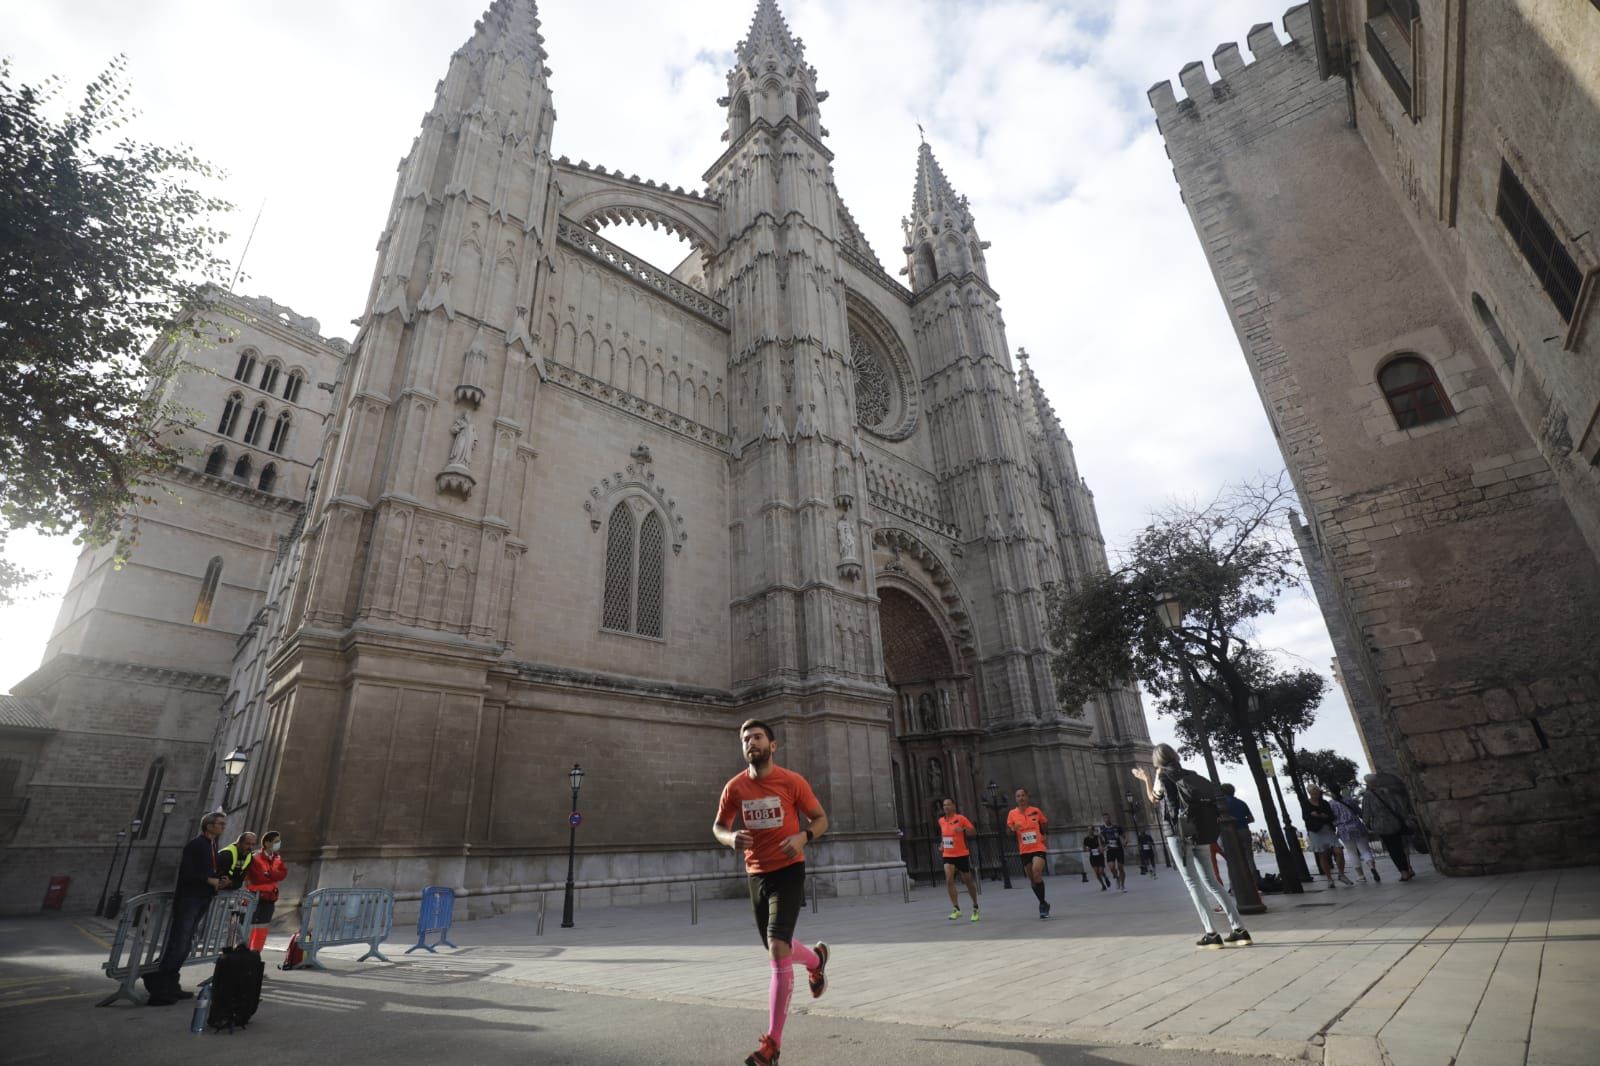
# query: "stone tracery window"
{"type": "Point", "coordinates": [873, 395]}
{"type": "Point", "coordinates": [635, 565]}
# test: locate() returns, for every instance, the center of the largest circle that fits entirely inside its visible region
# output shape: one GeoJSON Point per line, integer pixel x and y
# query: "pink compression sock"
{"type": "Point", "coordinates": [778, 994]}
{"type": "Point", "coordinates": [803, 955]}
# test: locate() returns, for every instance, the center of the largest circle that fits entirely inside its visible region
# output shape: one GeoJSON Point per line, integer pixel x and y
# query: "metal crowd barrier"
{"type": "Point", "coordinates": [333, 917]}
{"type": "Point", "coordinates": [438, 911]}
{"type": "Point", "coordinates": [141, 937]}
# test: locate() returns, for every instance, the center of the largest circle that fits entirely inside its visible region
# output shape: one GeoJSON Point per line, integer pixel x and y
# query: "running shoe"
{"type": "Point", "coordinates": [974, 914]}
{"type": "Point", "coordinates": [1044, 910]}
{"type": "Point", "coordinates": [955, 915]}
{"type": "Point", "coordinates": [765, 1055]}
{"type": "Point", "coordinates": [818, 978]}
{"type": "Point", "coordinates": [1210, 940]}
{"type": "Point", "coordinates": [1238, 938]}
{"type": "Point", "coordinates": [1375, 876]}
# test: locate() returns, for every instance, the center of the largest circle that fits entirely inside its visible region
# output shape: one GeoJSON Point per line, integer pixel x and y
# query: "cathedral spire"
{"type": "Point", "coordinates": [941, 238]}
{"type": "Point", "coordinates": [1036, 412]}
{"type": "Point", "coordinates": [769, 34]}
{"type": "Point", "coordinates": [771, 82]}
{"type": "Point", "coordinates": [511, 27]}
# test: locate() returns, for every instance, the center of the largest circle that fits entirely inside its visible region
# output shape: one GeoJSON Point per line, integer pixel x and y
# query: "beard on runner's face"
{"type": "Point", "coordinates": [757, 750]}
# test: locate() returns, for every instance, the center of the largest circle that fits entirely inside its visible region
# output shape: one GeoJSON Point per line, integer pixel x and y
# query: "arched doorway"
{"type": "Point", "coordinates": [935, 724]}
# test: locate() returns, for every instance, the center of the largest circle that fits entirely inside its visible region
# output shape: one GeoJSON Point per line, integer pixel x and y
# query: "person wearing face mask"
{"type": "Point", "coordinates": [266, 870]}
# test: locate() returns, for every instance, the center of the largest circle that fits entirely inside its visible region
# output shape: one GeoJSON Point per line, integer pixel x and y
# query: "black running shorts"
{"type": "Point", "coordinates": [962, 863]}
{"type": "Point", "coordinates": [777, 898]}
{"type": "Point", "coordinates": [1097, 861]}
{"type": "Point", "coordinates": [1027, 859]}
{"type": "Point", "coordinates": [1113, 855]}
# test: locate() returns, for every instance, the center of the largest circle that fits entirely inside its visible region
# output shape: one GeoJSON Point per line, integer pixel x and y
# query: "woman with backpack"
{"type": "Point", "coordinates": [1384, 808]}
{"type": "Point", "coordinates": [1180, 795]}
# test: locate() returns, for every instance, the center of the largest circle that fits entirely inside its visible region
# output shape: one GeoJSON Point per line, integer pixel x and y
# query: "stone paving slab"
{"type": "Point", "coordinates": [1500, 970]}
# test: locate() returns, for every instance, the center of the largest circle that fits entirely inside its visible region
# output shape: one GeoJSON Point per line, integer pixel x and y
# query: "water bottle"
{"type": "Point", "coordinates": [202, 1007]}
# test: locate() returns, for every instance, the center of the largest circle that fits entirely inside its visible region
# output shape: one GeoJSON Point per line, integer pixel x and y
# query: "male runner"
{"type": "Point", "coordinates": [953, 830]}
{"type": "Point", "coordinates": [1112, 836]}
{"type": "Point", "coordinates": [769, 800]}
{"type": "Point", "coordinates": [1147, 853]}
{"type": "Point", "coordinates": [1091, 844]}
{"type": "Point", "coordinates": [1028, 823]}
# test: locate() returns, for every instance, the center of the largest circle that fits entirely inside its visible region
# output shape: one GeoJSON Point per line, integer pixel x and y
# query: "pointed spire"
{"type": "Point", "coordinates": [769, 33]}
{"type": "Point", "coordinates": [933, 192]}
{"type": "Point", "coordinates": [511, 27]}
{"type": "Point", "coordinates": [1033, 400]}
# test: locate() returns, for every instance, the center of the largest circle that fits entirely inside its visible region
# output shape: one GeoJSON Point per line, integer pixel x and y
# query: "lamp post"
{"type": "Point", "coordinates": [575, 776]}
{"type": "Point", "coordinates": [168, 804]}
{"type": "Point", "coordinates": [100, 908]}
{"type": "Point", "coordinates": [114, 904]}
{"type": "Point", "coordinates": [233, 765]}
{"type": "Point", "coordinates": [996, 803]}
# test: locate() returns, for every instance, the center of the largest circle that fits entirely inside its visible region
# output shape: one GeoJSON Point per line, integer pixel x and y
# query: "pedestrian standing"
{"type": "Point", "coordinates": [769, 802]}
{"type": "Point", "coordinates": [1241, 812]}
{"type": "Point", "coordinates": [199, 877]}
{"type": "Point", "coordinates": [1386, 811]}
{"type": "Point", "coordinates": [266, 870]}
{"type": "Point", "coordinates": [1319, 819]}
{"type": "Point", "coordinates": [1166, 792]}
{"type": "Point", "coordinates": [1353, 835]}
{"type": "Point", "coordinates": [234, 860]}
{"type": "Point", "coordinates": [953, 830]}
{"type": "Point", "coordinates": [1029, 822]}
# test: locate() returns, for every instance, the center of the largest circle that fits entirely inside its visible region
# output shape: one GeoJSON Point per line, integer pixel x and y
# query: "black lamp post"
{"type": "Point", "coordinates": [996, 803]}
{"type": "Point", "coordinates": [575, 776]}
{"type": "Point", "coordinates": [233, 765]}
{"type": "Point", "coordinates": [100, 908]}
{"type": "Point", "coordinates": [168, 804]}
{"type": "Point", "coordinates": [114, 904]}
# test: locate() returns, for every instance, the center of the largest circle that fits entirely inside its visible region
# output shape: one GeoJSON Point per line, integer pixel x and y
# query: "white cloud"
{"type": "Point", "coordinates": [1036, 110]}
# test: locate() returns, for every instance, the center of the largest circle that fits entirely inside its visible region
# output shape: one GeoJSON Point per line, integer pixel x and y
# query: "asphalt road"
{"type": "Point", "coordinates": [433, 1011]}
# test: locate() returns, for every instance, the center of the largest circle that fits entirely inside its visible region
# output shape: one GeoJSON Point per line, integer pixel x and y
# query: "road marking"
{"type": "Point", "coordinates": [96, 937]}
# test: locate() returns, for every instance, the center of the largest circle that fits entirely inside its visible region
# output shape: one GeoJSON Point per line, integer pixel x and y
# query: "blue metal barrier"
{"type": "Point", "coordinates": [332, 917]}
{"type": "Point", "coordinates": [438, 910]}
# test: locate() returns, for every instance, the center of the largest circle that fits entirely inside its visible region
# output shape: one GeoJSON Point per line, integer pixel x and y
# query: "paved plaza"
{"type": "Point", "coordinates": [1486, 971]}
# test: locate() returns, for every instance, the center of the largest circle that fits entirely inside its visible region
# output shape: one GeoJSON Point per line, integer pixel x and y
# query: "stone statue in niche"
{"type": "Point", "coordinates": [847, 539]}
{"type": "Point", "coordinates": [925, 712]}
{"type": "Point", "coordinates": [936, 779]}
{"type": "Point", "coordinates": [465, 439]}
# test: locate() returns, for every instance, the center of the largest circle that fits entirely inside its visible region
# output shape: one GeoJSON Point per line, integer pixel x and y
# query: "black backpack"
{"type": "Point", "coordinates": [1198, 800]}
{"type": "Point", "coordinates": [235, 988]}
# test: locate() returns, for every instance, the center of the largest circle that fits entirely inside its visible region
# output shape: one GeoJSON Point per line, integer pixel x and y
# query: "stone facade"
{"type": "Point", "coordinates": [1350, 190]}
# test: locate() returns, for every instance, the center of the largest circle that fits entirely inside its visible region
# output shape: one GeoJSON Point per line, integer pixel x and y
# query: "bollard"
{"type": "Point", "coordinates": [539, 929]}
{"type": "Point", "coordinates": [694, 903]}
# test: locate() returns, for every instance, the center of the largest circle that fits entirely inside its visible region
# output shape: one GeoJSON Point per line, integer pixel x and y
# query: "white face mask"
{"type": "Point", "coordinates": [274, 846]}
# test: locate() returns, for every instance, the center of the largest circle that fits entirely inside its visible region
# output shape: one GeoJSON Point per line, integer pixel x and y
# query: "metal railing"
{"type": "Point", "coordinates": [334, 917]}
{"type": "Point", "coordinates": [437, 913]}
{"type": "Point", "coordinates": [141, 937]}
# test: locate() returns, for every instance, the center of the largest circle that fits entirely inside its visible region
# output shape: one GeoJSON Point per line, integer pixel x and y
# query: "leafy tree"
{"type": "Point", "coordinates": [1287, 706]}
{"type": "Point", "coordinates": [102, 244]}
{"type": "Point", "coordinates": [1327, 768]}
{"type": "Point", "coordinates": [1219, 568]}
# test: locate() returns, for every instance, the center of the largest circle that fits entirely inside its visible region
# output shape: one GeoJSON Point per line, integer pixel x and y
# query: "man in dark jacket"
{"type": "Point", "coordinates": [198, 881]}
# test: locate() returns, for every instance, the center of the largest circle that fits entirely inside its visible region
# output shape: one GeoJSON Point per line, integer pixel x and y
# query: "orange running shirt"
{"type": "Point", "coordinates": [767, 807]}
{"type": "Point", "coordinates": [954, 833]}
{"type": "Point", "coordinates": [1029, 826]}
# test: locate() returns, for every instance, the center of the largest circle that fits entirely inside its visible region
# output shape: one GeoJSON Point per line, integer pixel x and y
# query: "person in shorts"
{"type": "Point", "coordinates": [1319, 817]}
{"type": "Point", "coordinates": [1111, 837]}
{"type": "Point", "coordinates": [1029, 822]}
{"type": "Point", "coordinates": [1147, 853]}
{"type": "Point", "coordinates": [953, 830]}
{"type": "Point", "coordinates": [759, 814]}
{"type": "Point", "coordinates": [1096, 855]}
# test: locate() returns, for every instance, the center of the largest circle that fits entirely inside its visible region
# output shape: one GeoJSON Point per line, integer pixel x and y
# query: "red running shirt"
{"type": "Point", "coordinates": [1028, 823]}
{"type": "Point", "coordinates": [767, 807]}
{"type": "Point", "coordinates": [953, 833]}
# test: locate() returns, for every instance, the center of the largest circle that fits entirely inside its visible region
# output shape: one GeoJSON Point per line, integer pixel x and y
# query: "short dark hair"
{"type": "Point", "coordinates": [756, 723]}
{"type": "Point", "coordinates": [1227, 789]}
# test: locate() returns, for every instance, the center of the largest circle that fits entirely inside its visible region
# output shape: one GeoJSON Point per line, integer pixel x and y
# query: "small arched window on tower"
{"type": "Point", "coordinates": [1413, 391]}
{"type": "Point", "coordinates": [927, 268]}
{"type": "Point", "coordinates": [740, 121]}
{"type": "Point", "coordinates": [291, 387]}
{"type": "Point", "coordinates": [269, 477]}
{"type": "Point", "coordinates": [208, 591]}
{"type": "Point", "coordinates": [241, 469]}
{"type": "Point", "coordinates": [280, 434]}
{"type": "Point", "coordinates": [252, 429]}
{"type": "Point", "coordinates": [269, 377]}
{"type": "Point", "coordinates": [216, 461]}
{"type": "Point", "coordinates": [230, 414]}
{"type": "Point", "coordinates": [247, 366]}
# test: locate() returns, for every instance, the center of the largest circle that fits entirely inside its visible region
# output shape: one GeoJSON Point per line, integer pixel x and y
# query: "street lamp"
{"type": "Point", "coordinates": [1169, 607]}
{"type": "Point", "coordinates": [575, 777]}
{"type": "Point", "coordinates": [168, 804]}
{"type": "Point", "coordinates": [233, 765]}
{"type": "Point", "coordinates": [114, 904]}
{"type": "Point", "coordinates": [996, 803]}
{"type": "Point", "coordinates": [100, 908]}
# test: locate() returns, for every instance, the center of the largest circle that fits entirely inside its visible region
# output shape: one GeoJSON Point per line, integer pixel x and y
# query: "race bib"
{"type": "Point", "coordinates": [1030, 837]}
{"type": "Point", "coordinates": [763, 813]}
{"type": "Point", "coordinates": [1093, 852]}
{"type": "Point", "coordinates": [949, 843]}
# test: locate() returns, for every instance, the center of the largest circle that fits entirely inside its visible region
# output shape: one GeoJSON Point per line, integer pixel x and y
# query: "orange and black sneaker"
{"type": "Point", "coordinates": [765, 1055]}
{"type": "Point", "coordinates": [818, 978]}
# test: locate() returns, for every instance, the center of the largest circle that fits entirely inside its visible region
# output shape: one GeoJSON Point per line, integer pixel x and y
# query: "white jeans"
{"type": "Point", "coordinates": [1357, 850]}
{"type": "Point", "coordinates": [1194, 866]}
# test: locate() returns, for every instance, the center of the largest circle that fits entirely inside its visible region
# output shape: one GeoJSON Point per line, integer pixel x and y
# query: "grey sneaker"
{"type": "Point", "coordinates": [1210, 940]}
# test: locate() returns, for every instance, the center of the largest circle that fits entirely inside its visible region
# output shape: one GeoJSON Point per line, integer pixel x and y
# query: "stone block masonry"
{"type": "Point", "coordinates": [1453, 566]}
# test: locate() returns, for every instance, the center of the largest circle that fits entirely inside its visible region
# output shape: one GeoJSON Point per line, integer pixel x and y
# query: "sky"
{"type": "Point", "coordinates": [1036, 111]}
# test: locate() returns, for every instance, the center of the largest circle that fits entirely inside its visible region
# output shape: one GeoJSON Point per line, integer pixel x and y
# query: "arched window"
{"type": "Point", "coordinates": [741, 116]}
{"type": "Point", "coordinates": [1413, 391]}
{"type": "Point", "coordinates": [217, 460]}
{"type": "Point", "coordinates": [652, 559]}
{"type": "Point", "coordinates": [208, 587]}
{"type": "Point", "coordinates": [242, 468]}
{"type": "Point", "coordinates": [230, 414]}
{"type": "Point", "coordinates": [617, 609]}
{"type": "Point", "coordinates": [269, 377]}
{"type": "Point", "coordinates": [1491, 326]}
{"type": "Point", "coordinates": [252, 429]}
{"type": "Point", "coordinates": [280, 434]}
{"type": "Point", "coordinates": [150, 797]}
{"type": "Point", "coordinates": [269, 477]}
{"type": "Point", "coordinates": [247, 366]}
{"type": "Point", "coordinates": [927, 269]}
{"type": "Point", "coordinates": [291, 387]}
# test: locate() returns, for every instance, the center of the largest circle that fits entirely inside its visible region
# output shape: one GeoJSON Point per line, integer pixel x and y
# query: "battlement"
{"type": "Point", "coordinates": [1235, 75]}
